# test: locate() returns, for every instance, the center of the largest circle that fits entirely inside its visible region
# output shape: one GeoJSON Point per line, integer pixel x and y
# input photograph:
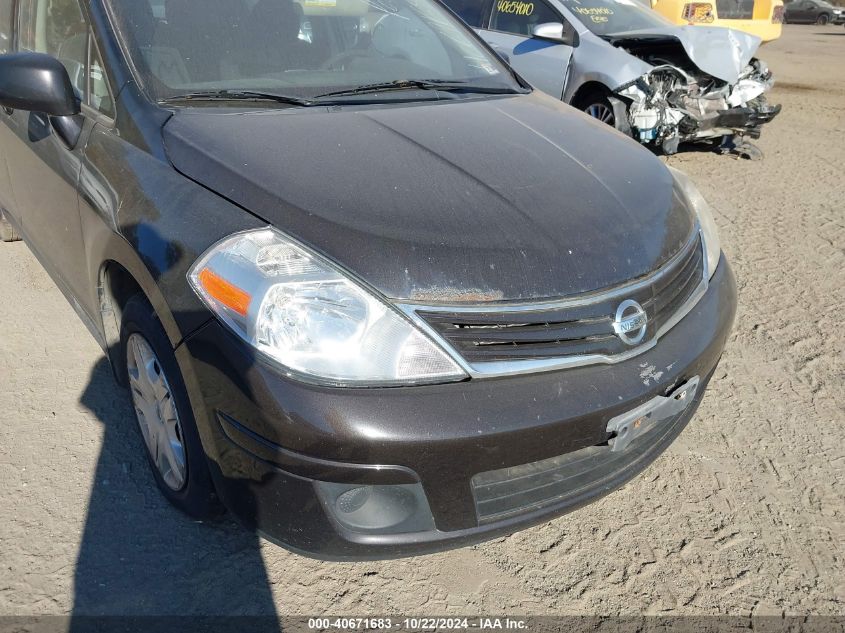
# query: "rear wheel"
{"type": "Point", "coordinates": [823, 19]}
{"type": "Point", "coordinates": [163, 413]}
{"type": "Point", "coordinates": [7, 231]}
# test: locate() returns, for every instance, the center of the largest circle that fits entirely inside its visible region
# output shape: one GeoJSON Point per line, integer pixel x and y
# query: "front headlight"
{"type": "Point", "coordinates": [309, 317]}
{"type": "Point", "coordinates": [709, 232]}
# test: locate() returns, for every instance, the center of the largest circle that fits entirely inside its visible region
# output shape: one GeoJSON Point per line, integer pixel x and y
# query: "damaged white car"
{"type": "Point", "coordinates": [626, 65]}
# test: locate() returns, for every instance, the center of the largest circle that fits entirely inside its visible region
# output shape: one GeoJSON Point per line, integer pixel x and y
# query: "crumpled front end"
{"type": "Point", "coordinates": [670, 105]}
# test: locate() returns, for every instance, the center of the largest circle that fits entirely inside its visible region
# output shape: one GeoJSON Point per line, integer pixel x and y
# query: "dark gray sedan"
{"type": "Point", "coordinates": [813, 12]}
{"type": "Point", "coordinates": [366, 288]}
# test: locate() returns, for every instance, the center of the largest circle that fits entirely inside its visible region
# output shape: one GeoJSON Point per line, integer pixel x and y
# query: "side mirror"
{"type": "Point", "coordinates": [549, 31]}
{"type": "Point", "coordinates": [37, 83]}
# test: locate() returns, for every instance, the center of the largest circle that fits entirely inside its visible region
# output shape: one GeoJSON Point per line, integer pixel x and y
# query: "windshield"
{"type": "Point", "coordinates": [301, 48]}
{"type": "Point", "coordinates": [608, 17]}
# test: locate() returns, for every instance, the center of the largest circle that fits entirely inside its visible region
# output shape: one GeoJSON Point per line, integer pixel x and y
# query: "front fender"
{"type": "Point", "coordinates": [139, 212]}
{"type": "Point", "coordinates": [598, 62]}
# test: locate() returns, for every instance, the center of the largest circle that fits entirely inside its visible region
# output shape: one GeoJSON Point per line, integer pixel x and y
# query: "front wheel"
{"type": "Point", "coordinates": [823, 19]}
{"type": "Point", "coordinates": [598, 106]}
{"type": "Point", "coordinates": [164, 414]}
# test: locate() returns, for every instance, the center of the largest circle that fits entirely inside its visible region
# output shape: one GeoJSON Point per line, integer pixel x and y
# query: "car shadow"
{"type": "Point", "coordinates": [141, 557]}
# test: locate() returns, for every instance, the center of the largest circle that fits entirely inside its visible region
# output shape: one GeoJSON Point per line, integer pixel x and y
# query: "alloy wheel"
{"type": "Point", "coordinates": [601, 112]}
{"type": "Point", "coordinates": [823, 20]}
{"type": "Point", "coordinates": [156, 411]}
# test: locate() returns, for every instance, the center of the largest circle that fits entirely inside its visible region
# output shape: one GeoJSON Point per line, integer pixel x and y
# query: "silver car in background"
{"type": "Point", "coordinates": [628, 66]}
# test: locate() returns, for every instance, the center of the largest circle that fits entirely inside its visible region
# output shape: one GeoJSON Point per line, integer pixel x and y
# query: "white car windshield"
{"type": "Point", "coordinates": [303, 48]}
{"type": "Point", "coordinates": [609, 17]}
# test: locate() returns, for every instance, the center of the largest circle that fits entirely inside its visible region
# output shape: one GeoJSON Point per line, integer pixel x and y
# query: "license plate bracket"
{"type": "Point", "coordinates": [627, 427]}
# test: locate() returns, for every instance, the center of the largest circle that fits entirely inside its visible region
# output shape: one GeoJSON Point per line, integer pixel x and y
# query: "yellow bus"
{"type": "Point", "coordinates": [763, 18]}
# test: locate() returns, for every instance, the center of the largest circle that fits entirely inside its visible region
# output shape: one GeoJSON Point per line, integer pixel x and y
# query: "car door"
{"type": "Point", "coordinates": [6, 21]}
{"type": "Point", "coordinates": [809, 11]}
{"type": "Point", "coordinates": [792, 11]}
{"type": "Point", "coordinates": [43, 166]}
{"type": "Point", "coordinates": [543, 62]}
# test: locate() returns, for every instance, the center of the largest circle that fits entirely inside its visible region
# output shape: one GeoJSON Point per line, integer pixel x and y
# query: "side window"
{"type": "Point", "coordinates": [521, 16]}
{"type": "Point", "coordinates": [5, 26]}
{"type": "Point", "coordinates": [470, 11]}
{"type": "Point", "coordinates": [99, 93]}
{"type": "Point", "coordinates": [58, 28]}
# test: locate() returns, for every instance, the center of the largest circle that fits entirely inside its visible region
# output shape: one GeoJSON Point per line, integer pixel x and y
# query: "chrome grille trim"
{"type": "Point", "coordinates": [492, 369]}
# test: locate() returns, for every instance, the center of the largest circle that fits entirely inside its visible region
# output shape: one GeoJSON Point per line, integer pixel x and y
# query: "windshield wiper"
{"type": "Point", "coordinates": [238, 95]}
{"type": "Point", "coordinates": [444, 85]}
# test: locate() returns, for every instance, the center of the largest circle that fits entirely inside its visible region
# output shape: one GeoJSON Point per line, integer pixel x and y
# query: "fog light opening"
{"type": "Point", "coordinates": [378, 509]}
{"type": "Point", "coordinates": [352, 501]}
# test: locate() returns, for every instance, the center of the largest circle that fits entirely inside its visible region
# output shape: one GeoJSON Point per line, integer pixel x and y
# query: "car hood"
{"type": "Point", "coordinates": [721, 52]}
{"type": "Point", "coordinates": [515, 198]}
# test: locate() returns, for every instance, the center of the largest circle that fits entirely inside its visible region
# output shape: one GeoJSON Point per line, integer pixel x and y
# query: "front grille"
{"type": "Point", "coordinates": [579, 327]}
{"type": "Point", "coordinates": [572, 478]}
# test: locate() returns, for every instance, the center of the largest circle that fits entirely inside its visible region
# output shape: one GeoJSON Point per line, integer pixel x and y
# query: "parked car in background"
{"type": "Point", "coordinates": [763, 18]}
{"type": "Point", "coordinates": [813, 12]}
{"type": "Point", "coordinates": [627, 66]}
{"type": "Point", "coordinates": [371, 291]}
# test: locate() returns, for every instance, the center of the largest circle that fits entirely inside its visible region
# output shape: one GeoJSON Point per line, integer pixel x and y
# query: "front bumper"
{"type": "Point", "coordinates": [269, 438]}
{"type": "Point", "coordinates": [740, 119]}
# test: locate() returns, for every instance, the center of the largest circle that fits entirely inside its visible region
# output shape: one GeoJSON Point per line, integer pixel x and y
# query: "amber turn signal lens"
{"type": "Point", "coordinates": [224, 292]}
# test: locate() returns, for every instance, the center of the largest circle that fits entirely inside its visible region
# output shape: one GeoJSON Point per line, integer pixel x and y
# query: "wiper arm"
{"type": "Point", "coordinates": [444, 85]}
{"type": "Point", "coordinates": [399, 84]}
{"type": "Point", "coordinates": [238, 95]}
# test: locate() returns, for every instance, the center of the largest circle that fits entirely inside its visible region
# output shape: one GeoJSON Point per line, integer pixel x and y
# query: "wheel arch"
{"type": "Point", "coordinates": [586, 89]}
{"type": "Point", "coordinates": [115, 287]}
{"type": "Point", "coordinates": [120, 274]}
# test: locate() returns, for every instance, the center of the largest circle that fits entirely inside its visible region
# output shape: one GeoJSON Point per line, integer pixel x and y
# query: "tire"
{"type": "Point", "coordinates": [193, 493]}
{"type": "Point", "coordinates": [823, 19]}
{"type": "Point", "coordinates": [7, 231]}
{"type": "Point", "coordinates": [598, 106]}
